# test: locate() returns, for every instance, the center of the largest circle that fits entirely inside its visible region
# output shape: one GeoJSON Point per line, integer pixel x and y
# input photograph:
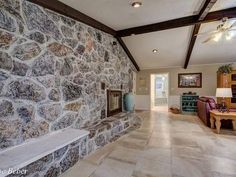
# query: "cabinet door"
{"type": "Point", "coordinates": [223, 80]}
{"type": "Point", "coordinates": [233, 77]}
{"type": "Point", "coordinates": [233, 99]}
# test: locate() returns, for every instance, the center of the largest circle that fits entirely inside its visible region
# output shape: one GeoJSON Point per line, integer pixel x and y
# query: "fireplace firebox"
{"type": "Point", "coordinates": [114, 102]}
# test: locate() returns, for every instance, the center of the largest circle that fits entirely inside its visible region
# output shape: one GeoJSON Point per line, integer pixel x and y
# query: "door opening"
{"type": "Point", "coordinates": [159, 92]}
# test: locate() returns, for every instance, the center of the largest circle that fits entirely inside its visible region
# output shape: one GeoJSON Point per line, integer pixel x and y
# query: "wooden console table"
{"type": "Point", "coordinates": [216, 116]}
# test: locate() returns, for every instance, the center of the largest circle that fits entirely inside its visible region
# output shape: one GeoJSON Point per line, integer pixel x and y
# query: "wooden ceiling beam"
{"type": "Point", "coordinates": [180, 22]}
{"type": "Point", "coordinates": [203, 13]}
{"type": "Point", "coordinates": [122, 43]}
{"type": "Point", "coordinates": [206, 9]}
{"type": "Point", "coordinates": [196, 29]}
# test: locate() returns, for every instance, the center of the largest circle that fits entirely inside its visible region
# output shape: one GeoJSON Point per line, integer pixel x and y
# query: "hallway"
{"type": "Point", "coordinates": [166, 145]}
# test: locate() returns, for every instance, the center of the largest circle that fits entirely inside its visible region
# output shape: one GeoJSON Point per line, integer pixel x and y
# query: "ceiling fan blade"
{"type": "Point", "coordinates": [226, 23]}
{"type": "Point", "coordinates": [233, 25]}
{"type": "Point", "coordinates": [206, 33]}
{"type": "Point", "coordinates": [208, 39]}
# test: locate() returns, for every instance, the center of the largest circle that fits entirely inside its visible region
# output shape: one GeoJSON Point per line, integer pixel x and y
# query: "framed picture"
{"type": "Point", "coordinates": [142, 82]}
{"type": "Point", "coordinates": [190, 80]}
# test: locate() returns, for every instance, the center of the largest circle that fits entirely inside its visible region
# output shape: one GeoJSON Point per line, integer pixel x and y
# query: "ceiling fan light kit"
{"type": "Point", "coordinates": [217, 37]}
{"type": "Point", "coordinates": [224, 30]}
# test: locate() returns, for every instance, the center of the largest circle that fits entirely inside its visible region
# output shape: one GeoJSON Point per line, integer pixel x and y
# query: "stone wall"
{"type": "Point", "coordinates": [101, 133]}
{"type": "Point", "coordinates": [51, 70]}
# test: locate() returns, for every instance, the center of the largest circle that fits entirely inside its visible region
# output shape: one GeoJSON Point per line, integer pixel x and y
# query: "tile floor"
{"type": "Point", "coordinates": [166, 145]}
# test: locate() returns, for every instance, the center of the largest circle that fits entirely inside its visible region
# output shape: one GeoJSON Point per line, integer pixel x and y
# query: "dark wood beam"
{"type": "Point", "coordinates": [180, 22]}
{"type": "Point", "coordinates": [68, 11]}
{"type": "Point", "coordinates": [128, 52]}
{"type": "Point", "coordinates": [176, 23]}
{"type": "Point", "coordinates": [206, 9]}
{"type": "Point", "coordinates": [202, 14]}
{"type": "Point", "coordinates": [191, 44]}
{"type": "Point", "coordinates": [218, 15]}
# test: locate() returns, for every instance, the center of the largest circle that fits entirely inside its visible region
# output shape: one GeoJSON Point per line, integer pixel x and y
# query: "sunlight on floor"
{"type": "Point", "coordinates": [163, 108]}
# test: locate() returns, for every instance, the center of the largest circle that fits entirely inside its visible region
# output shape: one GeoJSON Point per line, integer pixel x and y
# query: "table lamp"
{"type": "Point", "coordinates": [224, 93]}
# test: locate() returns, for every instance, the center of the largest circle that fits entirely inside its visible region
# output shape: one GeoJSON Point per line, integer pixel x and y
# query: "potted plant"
{"type": "Point", "coordinates": [225, 69]}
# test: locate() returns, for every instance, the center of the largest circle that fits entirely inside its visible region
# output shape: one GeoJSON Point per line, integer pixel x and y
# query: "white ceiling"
{"type": "Point", "coordinates": [119, 14]}
{"type": "Point", "coordinates": [171, 45]}
{"type": "Point", "coordinates": [223, 4]}
{"type": "Point", "coordinates": [213, 52]}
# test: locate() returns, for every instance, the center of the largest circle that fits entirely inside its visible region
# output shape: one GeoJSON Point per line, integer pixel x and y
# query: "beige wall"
{"type": "Point", "coordinates": [209, 80]}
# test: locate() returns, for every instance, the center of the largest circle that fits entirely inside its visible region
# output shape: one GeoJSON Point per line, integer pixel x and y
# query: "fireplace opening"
{"type": "Point", "coordinates": [114, 102]}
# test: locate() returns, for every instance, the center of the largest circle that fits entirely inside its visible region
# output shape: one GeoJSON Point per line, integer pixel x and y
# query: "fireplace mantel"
{"type": "Point", "coordinates": [114, 102]}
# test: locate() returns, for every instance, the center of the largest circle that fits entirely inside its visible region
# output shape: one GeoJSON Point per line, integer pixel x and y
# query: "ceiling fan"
{"type": "Point", "coordinates": [227, 28]}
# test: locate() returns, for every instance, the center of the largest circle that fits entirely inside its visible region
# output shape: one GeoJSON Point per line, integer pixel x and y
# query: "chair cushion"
{"type": "Point", "coordinates": [212, 103]}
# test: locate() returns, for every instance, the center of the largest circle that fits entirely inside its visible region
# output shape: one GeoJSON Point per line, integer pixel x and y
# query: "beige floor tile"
{"type": "Point", "coordinates": [133, 143]}
{"type": "Point", "coordinates": [139, 135]}
{"type": "Point", "coordinates": [186, 142]}
{"type": "Point", "coordinates": [114, 168]}
{"type": "Point", "coordinates": [125, 154]}
{"type": "Point", "coordinates": [187, 152]}
{"type": "Point", "coordinates": [159, 143]}
{"type": "Point", "coordinates": [152, 168]}
{"type": "Point", "coordinates": [188, 167]}
{"type": "Point", "coordinates": [97, 157]}
{"type": "Point", "coordinates": [220, 165]}
{"type": "Point", "coordinates": [161, 134]}
{"type": "Point", "coordinates": [156, 154]}
{"type": "Point", "coordinates": [81, 169]}
{"type": "Point", "coordinates": [166, 145]}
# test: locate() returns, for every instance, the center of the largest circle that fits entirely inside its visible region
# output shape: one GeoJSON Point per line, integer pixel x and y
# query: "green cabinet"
{"type": "Point", "coordinates": [189, 104]}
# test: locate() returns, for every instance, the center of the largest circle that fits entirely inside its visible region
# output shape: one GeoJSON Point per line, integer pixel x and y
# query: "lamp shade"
{"type": "Point", "coordinates": [224, 92]}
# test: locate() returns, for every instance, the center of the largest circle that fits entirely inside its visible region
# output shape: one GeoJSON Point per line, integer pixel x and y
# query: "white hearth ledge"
{"type": "Point", "coordinates": [33, 150]}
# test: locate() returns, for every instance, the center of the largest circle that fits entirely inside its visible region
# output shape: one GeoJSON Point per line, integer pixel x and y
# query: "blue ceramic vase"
{"type": "Point", "coordinates": [129, 102]}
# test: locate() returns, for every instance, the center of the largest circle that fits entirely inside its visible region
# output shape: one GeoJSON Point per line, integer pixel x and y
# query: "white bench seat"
{"type": "Point", "coordinates": [31, 151]}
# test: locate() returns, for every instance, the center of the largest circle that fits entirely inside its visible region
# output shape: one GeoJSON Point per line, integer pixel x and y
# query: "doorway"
{"type": "Point", "coordinates": [159, 92]}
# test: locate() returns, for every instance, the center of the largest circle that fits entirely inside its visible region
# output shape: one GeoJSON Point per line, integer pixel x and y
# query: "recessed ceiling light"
{"type": "Point", "coordinates": [154, 50]}
{"type": "Point", "coordinates": [136, 4]}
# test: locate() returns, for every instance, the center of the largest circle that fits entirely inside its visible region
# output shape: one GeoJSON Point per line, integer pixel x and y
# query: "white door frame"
{"type": "Point", "coordinates": [151, 95]}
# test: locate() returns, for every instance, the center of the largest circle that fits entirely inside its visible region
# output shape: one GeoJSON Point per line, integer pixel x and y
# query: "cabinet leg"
{"type": "Point", "coordinates": [212, 121]}
{"type": "Point", "coordinates": [234, 125]}
{"type": "Point", "coordinates": [218, 125]}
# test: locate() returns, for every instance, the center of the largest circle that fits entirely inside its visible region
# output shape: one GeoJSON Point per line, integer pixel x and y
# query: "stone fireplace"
{"type": "Point", "coordinates": [50, 71]}
{"type": "Point", "coordinates": [114, 102]}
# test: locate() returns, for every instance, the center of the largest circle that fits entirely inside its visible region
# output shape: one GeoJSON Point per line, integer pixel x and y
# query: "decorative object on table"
{"type": "Point", "coordinates": [189, 104]}
{"type": "Point", "coordinates": [129, 102]}
{"type": "Point", "coordinates": [225, 69]}
{"type": "Point", "coordinates": [223, 93]}
{"type": "Point", "coordinates": [190, 80]}
{"type": "Point", "coordinates": [190, 93]}
{"type": "Point", "coordinates": [175, 109]}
